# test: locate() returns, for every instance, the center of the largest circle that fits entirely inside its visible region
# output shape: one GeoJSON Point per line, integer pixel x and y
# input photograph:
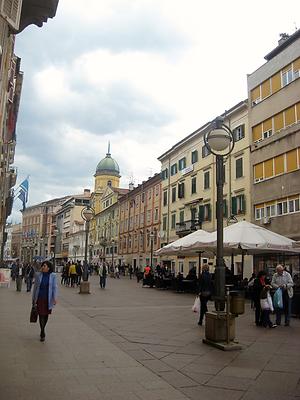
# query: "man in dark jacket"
{"type": "Point", "coordinates": [205, 291]}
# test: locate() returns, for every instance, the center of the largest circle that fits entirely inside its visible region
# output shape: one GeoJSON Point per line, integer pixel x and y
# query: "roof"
{"type": "Point", "coordinates": [108, 166]}
{"type": "Point", "coordinates": [283, 45]}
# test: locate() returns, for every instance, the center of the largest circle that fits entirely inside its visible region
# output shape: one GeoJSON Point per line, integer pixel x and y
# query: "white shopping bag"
{"type": "Point", "coordinates": [196, 306]}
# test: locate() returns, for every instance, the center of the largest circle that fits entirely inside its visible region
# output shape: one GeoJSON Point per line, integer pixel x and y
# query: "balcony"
{"type": "Point", "coordinates": [186, 227]}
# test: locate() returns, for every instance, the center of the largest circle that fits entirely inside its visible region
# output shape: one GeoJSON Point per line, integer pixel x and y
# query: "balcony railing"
{"type": "Point", "coordinates": [186, 227]}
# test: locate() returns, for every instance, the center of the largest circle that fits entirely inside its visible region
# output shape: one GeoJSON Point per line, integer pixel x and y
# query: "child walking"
{"type": "Point", "coordinates": [266, 305]}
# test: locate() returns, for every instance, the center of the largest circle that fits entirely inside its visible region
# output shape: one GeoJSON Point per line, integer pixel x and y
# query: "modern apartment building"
{"type": "Point", "coordinates": [274, 117]}
{"type": "Point", "coordinates": [139, 231]}
{"type": "Point", "coordinates": [189, 185]}
{"type": "Point", "coordinates": [15, 16]}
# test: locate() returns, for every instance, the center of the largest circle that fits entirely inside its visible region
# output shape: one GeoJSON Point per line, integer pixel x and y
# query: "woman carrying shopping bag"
{"type": "Point", "coordinates": [44, 294]}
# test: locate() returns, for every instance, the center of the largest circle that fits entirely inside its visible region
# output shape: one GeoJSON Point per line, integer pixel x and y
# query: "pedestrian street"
{"type": "Point", "coordinates": [134, 342]}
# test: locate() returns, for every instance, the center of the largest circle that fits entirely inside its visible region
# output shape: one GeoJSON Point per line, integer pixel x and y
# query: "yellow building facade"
{"type": "Point", "coordinates": [189, 187]}
{"type": "Point", "coordinates": [105, 224]}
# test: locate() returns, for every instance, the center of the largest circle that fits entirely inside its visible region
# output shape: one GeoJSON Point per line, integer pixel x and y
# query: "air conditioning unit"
{"type": "Point", "coordinates": [256, 101]}
{"type": "Point", "coordinates": [266, 220]}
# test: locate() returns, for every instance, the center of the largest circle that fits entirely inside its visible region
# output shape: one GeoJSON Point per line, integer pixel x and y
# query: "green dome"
{"type": "Point", "coordinates": [108, 166]}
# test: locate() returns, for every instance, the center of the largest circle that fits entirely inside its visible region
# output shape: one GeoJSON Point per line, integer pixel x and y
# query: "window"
{"type": "Point", "coordinates": [173, 169]}
{"type": "Point", "coordinates": [173, 194]}
{"type": "Point", "coordinates": [194, 156]}
{"type": "Point", "coordinates": [182, 164]}
{"type": "Point", "coordinates": [148, 216]}
{"type": "Point", "coordinates": [205, 213]}
{"type": "Point", "coordinates": [164, 223]}
{"type": "Point", "coordinates": [270, 210]}
{"type": "Point", "coordinates": [165, 198]}
{"type": "Point", "coordinates": [205, 151]}
{"type": "Point", "coordinates": [164, 174]}
{"type": "Point", "coordinates": [180, 266]}
{"type": "Point", "coordinates": [238, 204]}
{"type": "Point", "coordinates": [282, 207]}
{"type": "Point", "coordinates": [194, 185]}
{"type": "Point", "coordinates": [181, 216]}
{"type": "Point", "coordinates": [181, 190]}
{"type": "Point", "coordinates": [239, 132]}
{"type": "Point", "coordinates": [193, 214]}
{"type": "Point", "coordinates": [173, 221]}
{"type": "Point", "coordinates": [259, 213]}
{"type": "Point", "coordinates": [206, 179]}
{"type": "Point", "coordinates": [239, 168]}
{"type": "Point", "coordinates": [286, 77]}
{"type": "Point", "coordinates": [156, 214]}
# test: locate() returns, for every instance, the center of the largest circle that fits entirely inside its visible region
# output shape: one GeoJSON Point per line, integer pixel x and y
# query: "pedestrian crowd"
{"type": "Point", "coordinates": [272, 295]}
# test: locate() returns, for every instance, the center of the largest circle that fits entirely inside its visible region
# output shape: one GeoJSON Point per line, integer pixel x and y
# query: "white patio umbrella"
{"type": "Point", "coordinates": [252, 239]}
{"type": "Point", "coordinates": [190, 243]}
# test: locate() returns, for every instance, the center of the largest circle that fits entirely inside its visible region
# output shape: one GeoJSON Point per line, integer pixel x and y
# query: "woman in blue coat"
{"type": "Point", "coordinates": [44, 294]}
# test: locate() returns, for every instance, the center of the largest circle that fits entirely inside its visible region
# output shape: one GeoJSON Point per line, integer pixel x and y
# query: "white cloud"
{"type": "Point", "coordinates": [140, 73]}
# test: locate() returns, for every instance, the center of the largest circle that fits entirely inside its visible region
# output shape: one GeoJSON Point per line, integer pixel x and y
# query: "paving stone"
{"type": "Point", "coordinates": [209, 393]}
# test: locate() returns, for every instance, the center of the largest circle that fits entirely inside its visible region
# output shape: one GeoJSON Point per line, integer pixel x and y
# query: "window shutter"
{"type": "Point", "coordinates": [243, 203]}
{"type": "Point", "coordinates": [233, 206]}
{"type": "Point", "coordinates": [201, 214]}
{"type": "Point", "coordinates": [182, 190]}
{"type": "Point", "coordinates": [10, 10]}
{"type": "Point", "coordinates": [208, 212]}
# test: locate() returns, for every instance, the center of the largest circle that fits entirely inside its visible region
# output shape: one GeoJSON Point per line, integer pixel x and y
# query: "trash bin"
{"type": "Point", "coordinates": [237, 302]}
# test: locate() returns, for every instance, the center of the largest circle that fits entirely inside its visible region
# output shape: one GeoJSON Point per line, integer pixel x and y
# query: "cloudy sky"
{"type": "Point", "coordinates": [141, 74]}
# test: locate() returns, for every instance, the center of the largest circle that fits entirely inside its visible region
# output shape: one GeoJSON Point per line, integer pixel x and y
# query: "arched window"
{"type": "Point", "coordinates": [109, 183]}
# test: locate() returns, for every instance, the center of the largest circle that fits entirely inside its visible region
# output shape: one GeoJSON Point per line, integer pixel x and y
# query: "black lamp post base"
{"type": "Point", "coordinates": [84, 287]}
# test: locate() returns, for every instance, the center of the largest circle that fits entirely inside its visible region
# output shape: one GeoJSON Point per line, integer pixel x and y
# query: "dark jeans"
{"type": "Point", "coordinates": [266, 318]}
{"type": "Point", "coordinates": [258, 313]}
{"type": "Point", "coordinates": [102, 282]}
{"type": "Point", "coordinates": [73, 279]}
{"type": "Point", "coordinates": [29, 283]}
{"type": "Point", "coordinates": [286, 310]}
{"type": "Point", "coordinates": [203, 307]}
{"type": "Point", "coordinates": [78, 280]}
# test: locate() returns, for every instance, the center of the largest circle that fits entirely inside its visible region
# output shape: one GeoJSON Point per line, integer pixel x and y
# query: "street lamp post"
{"type": "Point", "coordinates": [151, 249]}
{"type": "Point", "coordinates": [55, 233]}
{"type": "Point", "coordinates": [220, 142]}
{"type": "Point", "coordinates": [113, 252]}
{"type": "Point", "coordinates": [87, 214]}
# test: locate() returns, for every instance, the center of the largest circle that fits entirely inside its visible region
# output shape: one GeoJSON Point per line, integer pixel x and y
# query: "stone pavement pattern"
{"type": "Point", "coordinates": [129, 342]}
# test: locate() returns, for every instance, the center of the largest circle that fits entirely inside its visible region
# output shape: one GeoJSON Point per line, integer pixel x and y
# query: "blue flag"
{"type": "Point", "coordinates": [23, 193]}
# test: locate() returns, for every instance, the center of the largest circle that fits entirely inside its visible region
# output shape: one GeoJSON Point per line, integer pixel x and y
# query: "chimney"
{"type": "Point", "coordinates": [131, 186]}
{"type": "Point", "coordinates": [283, 38]}
{"type": "Point", "coordinates": [86, 192]}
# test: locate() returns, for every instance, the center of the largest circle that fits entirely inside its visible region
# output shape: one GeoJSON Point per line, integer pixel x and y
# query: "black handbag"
{"type": "Point", "coordinates": [33, 314]}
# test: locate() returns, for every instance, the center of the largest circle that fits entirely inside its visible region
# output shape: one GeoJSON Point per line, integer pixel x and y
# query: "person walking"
{"type": "Point", "coordinates": [283, 280]}
{"type": "Point", "coordinates": [205, 291]}
{"type": "Point", "coordinates": [20, 273]}
{"type": "Point", "coordinates": [44, 295]}
{"type": "Point", "coordinates": [103, 275]}
{"type": "Point", "coordinates": [258, 285]}
{"type": "Point", "coordinates": [117, 272]}
{"type": "Point", "coordinates": [29, 274]}
{"type": "Point", "coordinates": [73, 274]}
{"type": "Point", "coordinates": [130, 270]}
{"type": "Point", "coordinates": [78, 272]}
